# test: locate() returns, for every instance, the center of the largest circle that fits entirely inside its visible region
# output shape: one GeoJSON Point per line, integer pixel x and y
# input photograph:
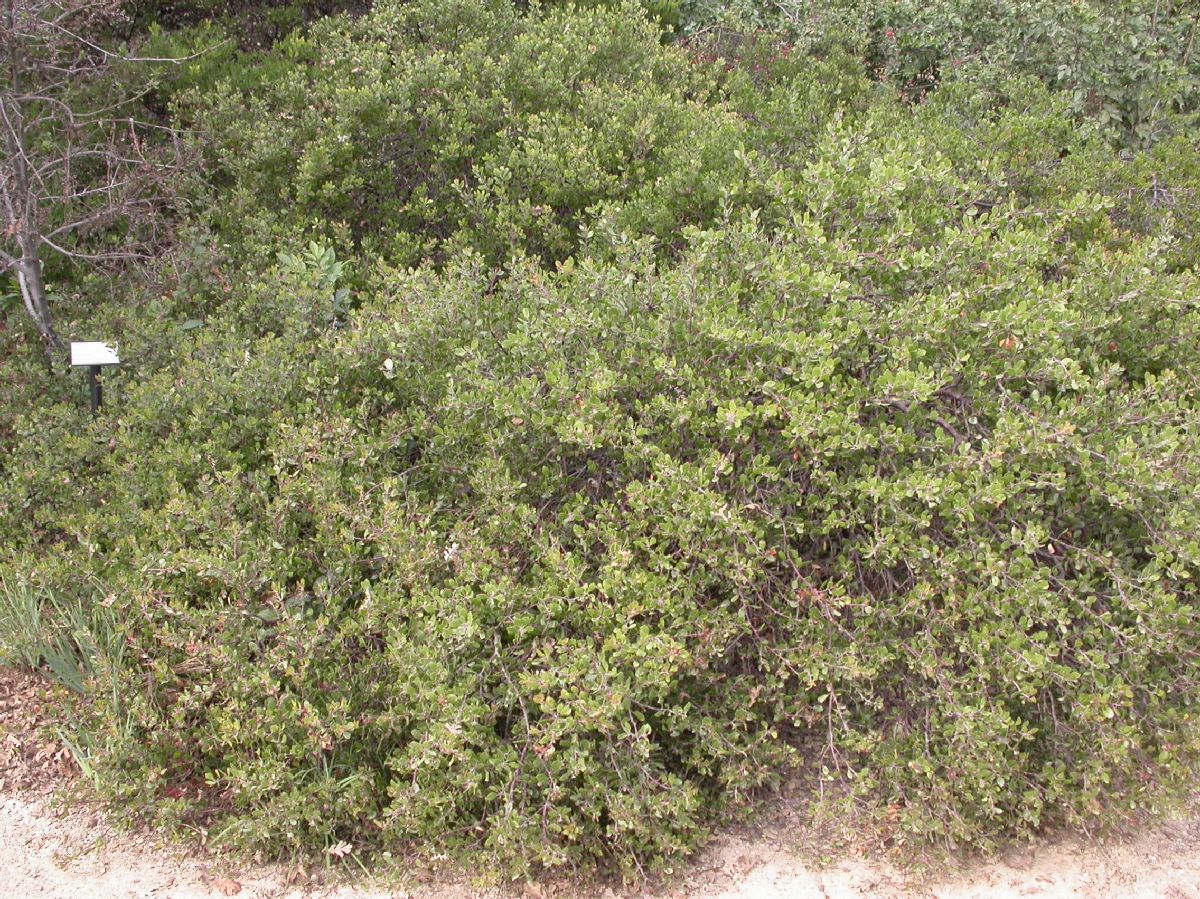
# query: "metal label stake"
{"type": "Point", "coordinates": [93, 355]}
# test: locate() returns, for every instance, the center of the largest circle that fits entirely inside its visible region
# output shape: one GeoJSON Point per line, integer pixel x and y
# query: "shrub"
{"type": "Point", "coordinates": [561, 567]}
{"type": "Point", "coordinates": [811, 429]}
{"type": "Point", "coordinates": [1127, 67]}
{"type": "Point", "coordinates": [427, 128]}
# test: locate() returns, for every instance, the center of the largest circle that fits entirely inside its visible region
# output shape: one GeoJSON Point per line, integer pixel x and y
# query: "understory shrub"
{"type": "Point", "coordinates": [426, 128]}
{"type": "Point", "coordinates": [1127, 67]}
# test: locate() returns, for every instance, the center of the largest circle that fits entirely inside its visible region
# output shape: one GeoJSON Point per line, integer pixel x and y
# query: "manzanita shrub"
{"type": "Point", "coordinates": [1127, 67]}
{"type": "Point", "coordinates": [431, 127]}
{"type": "Point", "coordinates": [572, 542]}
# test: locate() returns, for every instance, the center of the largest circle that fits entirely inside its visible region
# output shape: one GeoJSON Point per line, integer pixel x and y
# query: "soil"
{"type": "Point", "coordinates": [73, 851]}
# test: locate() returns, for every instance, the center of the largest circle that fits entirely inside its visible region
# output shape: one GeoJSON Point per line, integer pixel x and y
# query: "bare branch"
{"type": "Point", "coordinates": [108, 54]}
{"type": "Point", "coordinates": [94, 257]}
{"type": "Point", "coordinates": [67, 172]}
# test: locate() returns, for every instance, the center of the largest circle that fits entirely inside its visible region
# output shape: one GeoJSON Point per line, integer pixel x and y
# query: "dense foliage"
{"type": "Point", "coordinates": [548, 437]}
{"type": "Point", "coordinates": [1127, 65]}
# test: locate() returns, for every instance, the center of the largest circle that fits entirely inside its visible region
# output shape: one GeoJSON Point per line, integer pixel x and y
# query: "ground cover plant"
{"type": "Point", "coordinates": [548, 436]}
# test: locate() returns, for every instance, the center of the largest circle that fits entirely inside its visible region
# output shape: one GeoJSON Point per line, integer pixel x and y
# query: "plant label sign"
{"type": "Point", "coordinates": [93, 353]}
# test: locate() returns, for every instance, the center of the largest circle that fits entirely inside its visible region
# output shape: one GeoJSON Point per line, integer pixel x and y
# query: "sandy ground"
{"type": "Point", "coordinates": [57, 852]}
{"type": "Point", "coordinates": [74, 854]}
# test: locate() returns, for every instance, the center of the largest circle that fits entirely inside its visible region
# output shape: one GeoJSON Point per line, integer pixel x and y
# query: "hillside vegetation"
{"type": "Point", "coordinates": [551, 428]}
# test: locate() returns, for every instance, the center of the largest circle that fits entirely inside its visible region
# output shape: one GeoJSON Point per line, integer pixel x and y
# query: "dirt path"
{"type": "Point", "coordinates": [75, 855]}
{"type": "Point", "coordinates": [1164, 864]}
{"type": "Point", "coordinates": [56, 853]}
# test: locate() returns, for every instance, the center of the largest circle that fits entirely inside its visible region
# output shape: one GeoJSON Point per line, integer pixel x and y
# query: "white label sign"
{"type": "Point", "coordinates": [93, 353]}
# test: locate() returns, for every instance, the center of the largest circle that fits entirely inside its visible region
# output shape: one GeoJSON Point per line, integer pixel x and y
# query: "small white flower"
{"type": "Point", "coordinates": [450, 553]}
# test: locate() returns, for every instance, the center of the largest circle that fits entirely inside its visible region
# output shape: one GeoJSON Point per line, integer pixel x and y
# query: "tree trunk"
{"type": "Point", "coordinates": [33, 294]}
